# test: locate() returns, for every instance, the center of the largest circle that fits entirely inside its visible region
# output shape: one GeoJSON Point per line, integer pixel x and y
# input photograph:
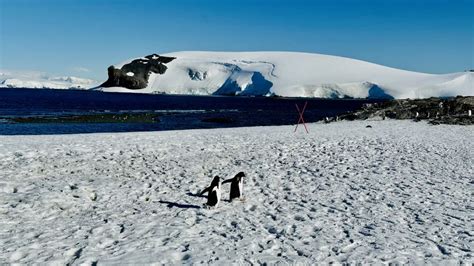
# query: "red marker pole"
{"type": "Point", "coordinates": [301, 118]}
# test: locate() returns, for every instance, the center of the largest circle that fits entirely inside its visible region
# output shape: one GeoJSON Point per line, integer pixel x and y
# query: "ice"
{"type": "Point", "coordinates": [397, 192]}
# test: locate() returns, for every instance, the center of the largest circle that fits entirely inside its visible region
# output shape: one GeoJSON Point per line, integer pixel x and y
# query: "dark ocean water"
{"type": "Point", "coordinates": [170, 112]}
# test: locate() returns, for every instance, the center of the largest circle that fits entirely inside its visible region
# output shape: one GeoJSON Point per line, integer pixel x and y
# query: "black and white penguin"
{"type": "Point", "coordinates": [214, 192]}
{"type": "Point", "coordinates": [236, 186]}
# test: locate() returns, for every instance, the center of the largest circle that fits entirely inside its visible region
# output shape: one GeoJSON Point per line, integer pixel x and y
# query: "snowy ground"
{"type": "Point", "coordinates": [398, 192]}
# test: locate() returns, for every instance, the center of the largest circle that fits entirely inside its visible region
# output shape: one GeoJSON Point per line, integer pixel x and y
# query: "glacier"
{"type": "Point", "coordinates": [294, 74]}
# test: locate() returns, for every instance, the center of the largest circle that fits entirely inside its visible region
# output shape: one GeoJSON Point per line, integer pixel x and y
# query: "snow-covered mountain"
{"type": "Point", "coordinates": [288, 74]}
{"type": "Point", "coordinates": [41, 80]}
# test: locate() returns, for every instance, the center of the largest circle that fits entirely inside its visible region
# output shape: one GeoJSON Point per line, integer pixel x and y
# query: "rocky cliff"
{"type": "Point", "coordinates": [134, 75]}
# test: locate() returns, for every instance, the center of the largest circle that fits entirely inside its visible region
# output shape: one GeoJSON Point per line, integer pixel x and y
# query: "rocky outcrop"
{"type": "Point", "coordinates": [135, 74]}
{"type": "Point", "coordinates": [457, 110]}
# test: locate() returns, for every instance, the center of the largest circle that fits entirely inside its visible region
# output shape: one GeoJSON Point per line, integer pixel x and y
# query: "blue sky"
{"type": "Point", "coordinates": [84, 37]}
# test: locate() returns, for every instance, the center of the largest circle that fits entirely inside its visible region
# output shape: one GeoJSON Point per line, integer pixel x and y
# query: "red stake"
{"type": "Point", "coordinates": [301, 117]}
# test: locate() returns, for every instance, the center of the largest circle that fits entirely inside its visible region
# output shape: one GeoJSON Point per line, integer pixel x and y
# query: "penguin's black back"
{"type": "Point", "coordinates": [212, 198]}
{"type": "Point", "coordinates": [235, 189]}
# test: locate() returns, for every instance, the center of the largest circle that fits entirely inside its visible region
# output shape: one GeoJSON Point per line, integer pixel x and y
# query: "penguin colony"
{"type": "Point", "coordinates": [214, 190]}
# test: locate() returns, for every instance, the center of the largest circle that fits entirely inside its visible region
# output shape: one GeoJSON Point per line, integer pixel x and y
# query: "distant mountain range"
{"type": "Point", "coordinates": [41, 80]}
{"type": "Point", "coordinates": [285, 74]}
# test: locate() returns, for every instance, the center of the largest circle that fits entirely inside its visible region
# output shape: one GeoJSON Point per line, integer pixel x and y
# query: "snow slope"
{"type": "Point", "coordinates": [398, 192]}
{"type": "Point", "coordinates": [296, 75]}
{"type": "Point", "coordinates": [41, 80]}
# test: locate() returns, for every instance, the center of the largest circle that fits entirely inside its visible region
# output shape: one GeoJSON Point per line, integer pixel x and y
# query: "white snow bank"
{"type": "Point", "coordinates": [398, 192]}
{"type": "Point", "coordinates": [41, 80]}
{"type": "Point", "coordinates": [297, 75]}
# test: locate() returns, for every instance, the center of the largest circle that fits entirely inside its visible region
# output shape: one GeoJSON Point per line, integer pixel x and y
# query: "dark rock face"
{"type": "Point", "coordinates": [436, 110]}
{"type": "Point", "coordinates": [195, 75]}
{"type": "Point", "coordinates": [134, 75]}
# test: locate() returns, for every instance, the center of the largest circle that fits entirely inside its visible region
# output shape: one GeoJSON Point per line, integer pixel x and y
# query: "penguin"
{"type": "Point", "coordinates": [214, 192]}
{"type": "Point", "coordinates": [236, 186]}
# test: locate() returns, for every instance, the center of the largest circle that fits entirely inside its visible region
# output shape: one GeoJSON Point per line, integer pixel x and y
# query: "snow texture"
{"type": "Point", "coordinates": [41, 80]}
{"type": "Point", "coordinates": [397, 192]}
{"type": "Point", "coordinates": [295, 74]}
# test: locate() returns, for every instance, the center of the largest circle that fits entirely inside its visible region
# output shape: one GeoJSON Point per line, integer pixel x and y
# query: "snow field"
{"type": "Point", "coordinates": [398, 192]}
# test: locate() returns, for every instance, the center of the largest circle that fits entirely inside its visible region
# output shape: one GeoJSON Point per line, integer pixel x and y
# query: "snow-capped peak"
{"type": "Point", "coordinates": [42, 80]}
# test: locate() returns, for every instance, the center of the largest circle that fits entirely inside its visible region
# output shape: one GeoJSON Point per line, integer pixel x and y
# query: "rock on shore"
{"type": "Point", "coordinates": [456, 110]}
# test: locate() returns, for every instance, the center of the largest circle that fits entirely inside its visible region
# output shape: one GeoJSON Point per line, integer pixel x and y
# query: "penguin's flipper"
{"type": "Point", "coordinates": [227, 181]}
{"type": "Point", "coordinates": [204, 191]}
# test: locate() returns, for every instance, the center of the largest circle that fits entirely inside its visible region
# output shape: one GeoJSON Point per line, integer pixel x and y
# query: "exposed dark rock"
{"type": "Point", "coordinates": [196, 75]}
{"type": "Point", "coordinates": [134, 75]}
{"type": "Point", "coordinates": [453, 110]}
